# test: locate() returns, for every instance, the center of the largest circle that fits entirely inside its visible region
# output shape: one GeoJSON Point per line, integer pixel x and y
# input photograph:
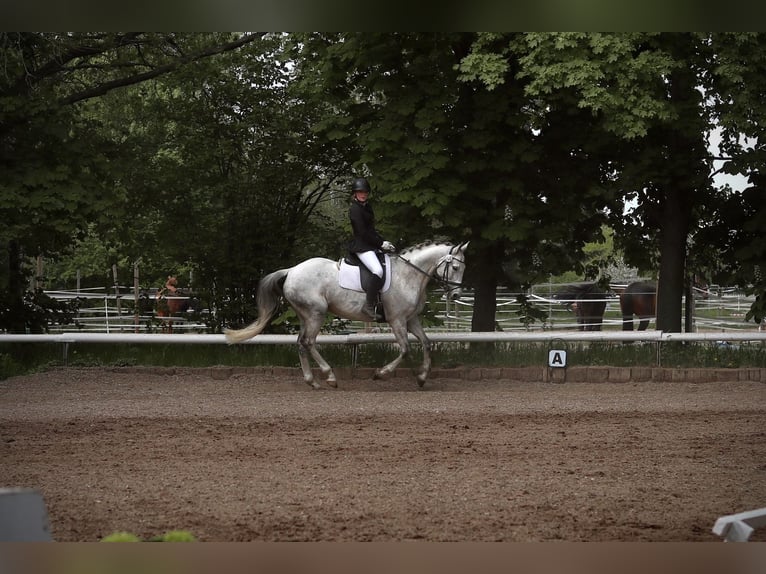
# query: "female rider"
{"type": "Point", "coordinates": [367, 241]}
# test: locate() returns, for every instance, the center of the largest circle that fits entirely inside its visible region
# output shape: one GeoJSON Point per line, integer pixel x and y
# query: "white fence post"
{"type": "Point", "coordinates": [739, 527]}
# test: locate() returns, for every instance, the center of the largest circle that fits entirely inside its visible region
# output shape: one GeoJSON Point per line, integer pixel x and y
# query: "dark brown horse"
{"type": "Point", "coordinates": [640, 299]}
{"type": "Point", "coordinates": [588, 302]}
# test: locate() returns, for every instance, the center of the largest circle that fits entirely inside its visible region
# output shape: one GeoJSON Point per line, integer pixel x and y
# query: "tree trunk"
{"type": "Point", "coordinates": [687, 174]}
{"type": "Point", "coordinates": [16, 288]}
{"type": "Point", "coordinates": [676, 214]}
{"type": "Point", "coordinates": [484, 267]}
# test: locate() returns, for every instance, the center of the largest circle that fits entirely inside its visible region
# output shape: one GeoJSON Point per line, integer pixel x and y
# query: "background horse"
{"type": "Point", "coordinates": [312, 290]}
{"type": "Point", "coordinates": [170, 301]}
{"type": "Point", "coordinates": [587, 301]}
{"type": "Point", "coordinates": [640, 299]}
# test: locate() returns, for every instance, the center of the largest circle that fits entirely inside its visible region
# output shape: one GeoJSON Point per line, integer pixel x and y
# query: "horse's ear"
{"type": "Point", "coordinates": [459, 248]}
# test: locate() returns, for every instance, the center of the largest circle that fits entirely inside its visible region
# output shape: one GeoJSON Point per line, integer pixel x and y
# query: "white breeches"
{"type": "Point", "coordinates": [370, 260]}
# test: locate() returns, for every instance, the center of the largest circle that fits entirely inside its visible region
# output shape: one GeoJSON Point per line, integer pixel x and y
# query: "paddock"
{"type": "Point", "coordinates": [257, 455]}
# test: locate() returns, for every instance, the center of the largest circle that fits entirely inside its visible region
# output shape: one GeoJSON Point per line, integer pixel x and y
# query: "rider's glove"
{"type": "Point", "coordinates": [388, 246]}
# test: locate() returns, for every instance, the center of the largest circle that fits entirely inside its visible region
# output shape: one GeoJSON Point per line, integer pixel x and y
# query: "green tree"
{"type": "Point", "coordinates": [653, 96]}
{"type": "Point", "coordinates": [449, 158]}
{"type": "Point", "coordinates": [737, 92]}
{"type": "Point", "coordinates": [223, 175]}
{"type": "Point", "coordinates": [54, 157]}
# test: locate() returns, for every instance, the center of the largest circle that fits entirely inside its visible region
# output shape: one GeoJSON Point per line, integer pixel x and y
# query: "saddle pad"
{"type": "Point", "coordinates": [348, 276]}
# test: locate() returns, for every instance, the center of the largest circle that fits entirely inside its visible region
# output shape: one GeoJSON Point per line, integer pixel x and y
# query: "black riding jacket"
{"type": "Point", "coordinates": [366, 238]}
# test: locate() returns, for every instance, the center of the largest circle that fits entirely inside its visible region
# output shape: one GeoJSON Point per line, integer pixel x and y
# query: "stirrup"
{"type": "Point", "coordinates": [370, 311]}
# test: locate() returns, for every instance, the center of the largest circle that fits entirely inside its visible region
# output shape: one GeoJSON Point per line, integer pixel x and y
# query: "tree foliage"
{"type": "Point", "coordinates": [54, 156]}
{"type": "Point", "coordinates": [148, 149]}
{"type": "Point", "coordinates": [226, 176]}
{"type": "Point", "coordinates": [733, 239]}
{"type": "Point", "coordinates": [228, 156]}
{"type": "Point", "coordinates": [659, 96]}
{"type": "Point", "coordinates": [450, 158]}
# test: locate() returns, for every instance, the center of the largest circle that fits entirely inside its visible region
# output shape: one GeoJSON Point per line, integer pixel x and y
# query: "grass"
{"type": "Point", "coordinates": [22, 358]}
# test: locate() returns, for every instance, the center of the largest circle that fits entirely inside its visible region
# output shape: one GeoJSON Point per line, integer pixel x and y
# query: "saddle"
{"type": "Point", "coordinates": [355, 276]}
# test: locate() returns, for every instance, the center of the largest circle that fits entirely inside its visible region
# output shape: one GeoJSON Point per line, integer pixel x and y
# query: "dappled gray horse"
{"type": "Point", "coordinates": [312, 290]}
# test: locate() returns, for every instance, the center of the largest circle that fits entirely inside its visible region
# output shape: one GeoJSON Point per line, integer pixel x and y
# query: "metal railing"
{"type": "Point", "coordinates": [353, 340]}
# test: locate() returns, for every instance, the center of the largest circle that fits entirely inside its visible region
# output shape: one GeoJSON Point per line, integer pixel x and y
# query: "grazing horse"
{"type": "Point", "coordinates": [170, 301]}
{"type": "Point", "coordinates": [640, 299]}
{"type": "Point", "coordinates": [312, 289]}
{"type": "Point", "coordinates": [588, 302]}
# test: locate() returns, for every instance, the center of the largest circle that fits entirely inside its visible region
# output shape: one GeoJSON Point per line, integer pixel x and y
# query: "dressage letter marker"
{"type": "Point", "coordinates": [557, 358]}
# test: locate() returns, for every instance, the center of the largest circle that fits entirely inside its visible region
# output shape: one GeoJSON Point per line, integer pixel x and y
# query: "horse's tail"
{"type": "Point", "coordinates": [269, 295]}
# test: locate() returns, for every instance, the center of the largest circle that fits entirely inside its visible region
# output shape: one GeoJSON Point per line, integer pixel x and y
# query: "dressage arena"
{"type": "Point", "coordinates": [254, 455]}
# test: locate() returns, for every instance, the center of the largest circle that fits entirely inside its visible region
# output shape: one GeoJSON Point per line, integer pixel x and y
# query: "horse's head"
{"type": "Point", "coordinates": [450, 270]}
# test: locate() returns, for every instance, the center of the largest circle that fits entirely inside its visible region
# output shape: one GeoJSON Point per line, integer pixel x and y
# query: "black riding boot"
{"type": "Point", "coordinates": [373, 287]}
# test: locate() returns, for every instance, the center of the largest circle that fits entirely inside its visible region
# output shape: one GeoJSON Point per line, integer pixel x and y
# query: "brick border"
{"type": "Point", "coordinates": [591, 374]}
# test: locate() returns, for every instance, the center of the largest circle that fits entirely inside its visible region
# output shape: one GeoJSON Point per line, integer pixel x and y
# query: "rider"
{"type": "Point", "coordinates": [367, 241]}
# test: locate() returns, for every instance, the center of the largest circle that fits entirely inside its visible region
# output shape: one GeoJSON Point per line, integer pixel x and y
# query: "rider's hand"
{"type": "Point", "coordinates": [388, 246]}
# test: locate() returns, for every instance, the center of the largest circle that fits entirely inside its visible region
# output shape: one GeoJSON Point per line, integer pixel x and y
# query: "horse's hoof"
{"type": "Point", "coordinates": [332, 383]}
{"type": "Point", "coordinates": [421, 380]}
{"type": "Point", "coordinates": [378, 375]}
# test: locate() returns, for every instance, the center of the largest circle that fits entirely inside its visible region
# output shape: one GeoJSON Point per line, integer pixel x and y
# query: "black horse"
{"type": "Point", "coordinates": [587, 301]}
{"type": "Point", "coordinates": [640, 299]}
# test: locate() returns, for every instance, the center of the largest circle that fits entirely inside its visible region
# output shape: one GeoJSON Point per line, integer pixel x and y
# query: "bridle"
{"type": "Point", "coordinates": [445, 261]}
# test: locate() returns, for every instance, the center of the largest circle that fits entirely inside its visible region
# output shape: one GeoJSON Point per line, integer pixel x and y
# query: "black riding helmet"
{"type": "Point", "coordinates": [360, 184]}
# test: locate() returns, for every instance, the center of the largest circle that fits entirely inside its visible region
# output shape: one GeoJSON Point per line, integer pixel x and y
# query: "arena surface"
{"type": "Point", "coordinates": [262, 457]}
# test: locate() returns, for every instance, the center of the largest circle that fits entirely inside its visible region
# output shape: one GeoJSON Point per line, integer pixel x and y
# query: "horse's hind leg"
{"type": "Point", "coordinates": [303, 357]}
{"type": "Point", "coordinates": [325, 367]}
{"type": "Point", "coordinates": [307, 346]}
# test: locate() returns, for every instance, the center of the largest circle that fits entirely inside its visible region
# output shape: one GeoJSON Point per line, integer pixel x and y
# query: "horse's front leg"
{"type": "Point", "coordinates": [400, 333]}
{"type": "Point", "coordinates": [414, 327]}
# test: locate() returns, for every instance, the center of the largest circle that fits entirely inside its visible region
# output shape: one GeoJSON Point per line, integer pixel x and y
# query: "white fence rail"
{"type": "Point", "coordinates": [353, 340]}
{"type": "Point", "coordinates": [364, 338]}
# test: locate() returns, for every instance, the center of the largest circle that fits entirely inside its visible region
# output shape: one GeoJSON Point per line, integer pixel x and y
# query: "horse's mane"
{"type": "Point", "coordinates": [423, 245]}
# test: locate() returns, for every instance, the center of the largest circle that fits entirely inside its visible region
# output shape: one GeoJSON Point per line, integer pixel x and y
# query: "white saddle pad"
{"type": "Point", "coordinates": [348, 276]}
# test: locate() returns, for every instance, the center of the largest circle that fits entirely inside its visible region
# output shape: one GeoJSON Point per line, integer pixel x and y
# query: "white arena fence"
{"type": "Point", "coordinates": [110, 318]}
{"type": "Point", "coordinates": [555, 339]}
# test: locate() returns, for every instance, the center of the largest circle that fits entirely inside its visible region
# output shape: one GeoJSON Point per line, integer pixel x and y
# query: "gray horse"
{"type": "Point", "coordinates": [312, 289]}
